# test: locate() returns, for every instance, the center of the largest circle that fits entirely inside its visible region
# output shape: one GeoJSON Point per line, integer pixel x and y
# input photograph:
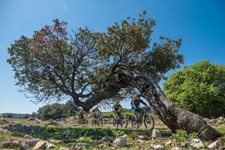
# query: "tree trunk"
{"type": "Point", "coordinates": [111, 89]}
{"type": "Point", "coordinates": [170, 114]}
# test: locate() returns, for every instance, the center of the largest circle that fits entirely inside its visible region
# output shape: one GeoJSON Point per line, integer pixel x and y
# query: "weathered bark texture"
{"type": "Point", "coordinates": [170, 114]}
{"type": "Point", "coordinates": [111, 89]}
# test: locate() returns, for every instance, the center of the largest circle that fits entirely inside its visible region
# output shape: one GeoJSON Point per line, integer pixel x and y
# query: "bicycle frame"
{"type": "Point", "coordinates": [120, 120]}
{"type": "Point", "coordinates": [85, 121]}
{"type": "Point", "coordinates": [147, 119]}
{"type": "Point", "coordinates": [97, 121]}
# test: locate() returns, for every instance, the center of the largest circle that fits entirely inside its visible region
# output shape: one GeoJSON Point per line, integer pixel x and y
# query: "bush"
{"type": "Point", "coordinates": [182, 136]}
{"type": "Point", "coordinates": [108, 115]}
{"type": "Point", "coordinates": [198, 88]}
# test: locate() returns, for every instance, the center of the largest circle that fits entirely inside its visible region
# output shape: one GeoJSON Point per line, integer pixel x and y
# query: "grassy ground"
{"type": "Point", "coordinates": [90, 134]}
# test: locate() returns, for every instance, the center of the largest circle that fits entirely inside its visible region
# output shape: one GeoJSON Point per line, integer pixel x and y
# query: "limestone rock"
{"type": "Point", "coordinates": [120, 142]}
{"type": "Point", "coordinates": [215, 145]}
{"type": "Point", "coordinates": [40, 145]}
{"type": "Point", "coordinates": [156, 133]}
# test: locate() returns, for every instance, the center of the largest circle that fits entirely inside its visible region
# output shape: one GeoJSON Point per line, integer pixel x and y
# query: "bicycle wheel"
{"type": "Point", "coordinates": [100, 122]}
{"type": "Point", "coordinates": [85, 122]}
{"type": "Point", "coordinates": [92, 121]}
{"type": "Point", "coordinates": [149, 122]}
{"type": "Point", "coordinates": [114, 122]}
{"type": "Point", "coordinates": [134, 123]}
{"type": "Point", "coordinates": [117, 122]}
{"type": "Point", "coordinates": [125, 122]}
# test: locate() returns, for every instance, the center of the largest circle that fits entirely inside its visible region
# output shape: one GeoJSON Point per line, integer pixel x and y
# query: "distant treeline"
{"type": "Point", "coordinates": [15, 115]}
{"type": "Point", "coordinates": [52, 111]}
{"type": "Point", "coordinates": [59, 111]}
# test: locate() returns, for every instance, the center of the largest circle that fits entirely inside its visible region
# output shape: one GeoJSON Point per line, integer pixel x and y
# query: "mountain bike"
{"type": "Point", "coordinates": [85, 122]}
{"type": "Point", "coordinates": [147, 119]}
{"type": "Point", "coordinates": [97, 121]}
{"type": "Point", "coordinates": [120, 120]}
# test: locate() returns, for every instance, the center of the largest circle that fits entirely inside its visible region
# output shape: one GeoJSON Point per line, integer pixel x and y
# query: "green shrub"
{"type": "Point", "coordinates": [108, 115]}
{"type": "Point", "coordinates": [129, 115]}
{"type": "Point", "coordinates": [182, 136]}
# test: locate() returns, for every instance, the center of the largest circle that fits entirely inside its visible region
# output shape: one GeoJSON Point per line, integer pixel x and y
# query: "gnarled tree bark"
{"type": "Point", "coordinates": [170, 114]}
{"type": "Point", "coordinates": [109, 91]}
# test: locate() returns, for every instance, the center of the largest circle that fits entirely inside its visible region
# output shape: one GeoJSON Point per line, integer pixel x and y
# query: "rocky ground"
{"type": "Point", "coordinates": [35, 134]}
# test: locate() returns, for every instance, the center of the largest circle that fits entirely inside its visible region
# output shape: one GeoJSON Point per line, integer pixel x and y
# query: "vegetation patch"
{"type": "Point", "coordinates": [182, 136]}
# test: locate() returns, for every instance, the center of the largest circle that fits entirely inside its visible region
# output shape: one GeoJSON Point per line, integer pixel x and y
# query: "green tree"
{"type": "Point", "coordinates": [26, 116]}
{"type": "Point", "coordinates": [7, 115]}
{"type": "Point", "coordinates": [57, 111]}
{"type": "Point", "coordinates": [52, 111]}
{"type": "Point", "coordinates": [70, 108]}
{"type": "Point", "coordinates": [34, 114]}
{"type": "Point", "coordinates": [199, 88]}
{"type": "Point", "coordinates": [56, 65]}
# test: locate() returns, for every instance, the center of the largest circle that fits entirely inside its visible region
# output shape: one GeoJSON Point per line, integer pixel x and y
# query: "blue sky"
{"type": "Point", "coordinates": [201, 23]}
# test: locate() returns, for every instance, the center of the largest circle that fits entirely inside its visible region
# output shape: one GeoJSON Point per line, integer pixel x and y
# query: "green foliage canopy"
{"type": "Point", "coordinates": [199, 88]}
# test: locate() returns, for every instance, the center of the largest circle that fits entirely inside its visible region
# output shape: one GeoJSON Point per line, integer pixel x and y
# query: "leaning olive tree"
{"type": "Point", "coordinates": [87, 65]}
{"type": "Point", "coordinates": [55, 64]}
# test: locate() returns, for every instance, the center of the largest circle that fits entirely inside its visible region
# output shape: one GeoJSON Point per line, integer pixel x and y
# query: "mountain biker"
{"type": "Point", "coordinates": [81, 115]}
{"type": "Point", "coordinates": [97, 117]}
{"type": "Point", "coordinates": [116, 109]}
{"type": "Point", "coordinates": [95, 112]}
{"type": "Point", "coordinates": [135, 103]}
